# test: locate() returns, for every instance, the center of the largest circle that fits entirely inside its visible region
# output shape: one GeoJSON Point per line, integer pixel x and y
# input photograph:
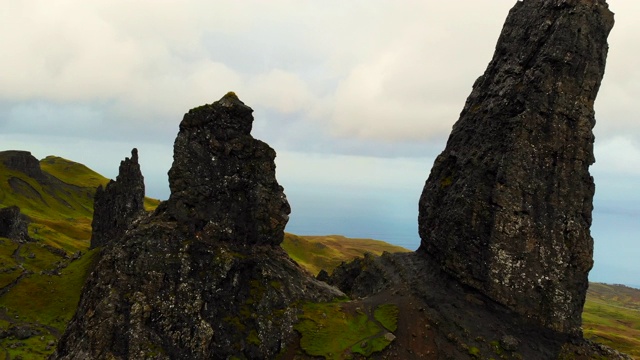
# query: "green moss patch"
{"type": "Point", "coordinates": [335, 331]}
{"type": "Point", "coordinates": [387, 315]}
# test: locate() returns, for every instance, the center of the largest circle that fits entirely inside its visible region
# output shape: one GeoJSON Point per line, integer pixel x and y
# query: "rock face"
{"type": "Point", "coordinates": [118, 203]}
{"type": "Point", "coordinates": [507, 206]}
{"type": "Point", "coordinates": [26, 163]}
{"type": "Point", "coordinates": [216, 158]}
{"type": "Point", "coordinates": [202, 277]}
{"type": "Point", "coordinates": [13, 224]}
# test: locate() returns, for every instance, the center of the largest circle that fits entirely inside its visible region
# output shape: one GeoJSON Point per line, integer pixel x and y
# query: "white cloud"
{"type": "Point", "coordinates": [619, 155]}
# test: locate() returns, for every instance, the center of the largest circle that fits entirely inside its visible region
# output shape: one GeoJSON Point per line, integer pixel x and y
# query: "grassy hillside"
{"type": "Point", "coordinates": [612, 317]}
{"type": "Point", "coordinates": [40, 282]}
{"type": "Point", "coordinates": [327, 252]}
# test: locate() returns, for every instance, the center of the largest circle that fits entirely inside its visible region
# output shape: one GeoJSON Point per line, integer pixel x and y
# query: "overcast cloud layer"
{"type": "Point", "coordinates": [357, 97]}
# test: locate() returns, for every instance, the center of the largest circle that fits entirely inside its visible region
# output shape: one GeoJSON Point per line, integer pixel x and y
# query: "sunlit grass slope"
{"type": "Point", "coordinates": [41, 281]}
{"type": "Point", "coordinates": [327, 252]}
{"type": "Point", "coordinates": [612, 317]}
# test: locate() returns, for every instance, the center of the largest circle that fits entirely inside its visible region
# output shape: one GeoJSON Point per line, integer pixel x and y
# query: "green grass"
{"type": "Point", "coordinates": [315, 253]}
{"type": "Point", "coordinates": [611, 316]}
{"type": "Point", "coordinates": [335, 330]}
{"type": "Point", "coordinates": [46, 299]}
{"type": "Point", "coordinates": [387, 315]}
{"type": "Point", "coordinates": [151, 204]}
{"type": "Point", "coordinates": [72, 173]}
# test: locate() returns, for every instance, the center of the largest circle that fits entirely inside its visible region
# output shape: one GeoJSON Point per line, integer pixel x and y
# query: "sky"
{"type": "Point", "coordinates": [357, 98]}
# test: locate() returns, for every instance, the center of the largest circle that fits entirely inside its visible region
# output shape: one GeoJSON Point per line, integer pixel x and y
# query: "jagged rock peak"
{"type": "Point", "coordinates": [223, 180]}
{"type": "Point", "coordinates": [507, 206]}
{"type": "Point", "coordinates": [186, 281]}
{"type": "Point", "coordinates": [118, 204]}
{"type": "Point", "coordinates": [13, 224]}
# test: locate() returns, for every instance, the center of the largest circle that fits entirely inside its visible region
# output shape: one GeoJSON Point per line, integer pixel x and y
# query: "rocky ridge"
{"type": "Point", "coordinates": [26, 163]}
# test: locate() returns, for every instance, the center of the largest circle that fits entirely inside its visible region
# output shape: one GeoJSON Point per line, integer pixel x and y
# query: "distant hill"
{"type": "Point", "coordinates": [41, 281]}
{"type": "Point", "coordinates": [327, 252]}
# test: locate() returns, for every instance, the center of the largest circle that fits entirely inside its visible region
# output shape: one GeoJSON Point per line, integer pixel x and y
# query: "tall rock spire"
{"type": "Point", "coordinates": [223, 181]}
{"type": "Point", "coordinates": [187, 282]}
{"type": "Point", "coordinates": [507, 206]}
{"type": "Point", "coordinates": [118, 203]}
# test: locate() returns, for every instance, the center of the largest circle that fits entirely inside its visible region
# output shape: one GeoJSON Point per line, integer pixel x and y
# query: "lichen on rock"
{"type": "Point", "coordinates": [202, 277]}
{"type": "Point", "coordinates": [217, 159]}
{"type": "Point", "coordinates": [507, 206]}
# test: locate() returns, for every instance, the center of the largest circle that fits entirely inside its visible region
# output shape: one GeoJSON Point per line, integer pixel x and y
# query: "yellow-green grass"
{"type": "Point", "coordinates": [36, 258]}
{"type": "Point", "coordinates": [34, 348]}
{"type": "Point", "coordinates": [612, 323]}
{"type": "Point", "coordinates": [317, 253]}
{"type": "Point", "coordinates": [151, 204]}
{"type": "Point", "coordinates": [7, 247]}
{"type": "Point", "coordinates": [49, 300]}
{"type": "Point", "coordinates": [72, 173]}
{"type": "Point", "coordinates": [61, 213]}
{"type": "Point", "coordinates": [387, 315]}
{"type": "Point", "coordinates": [333, 331]}
{"type": "Point", "coordinates": [54, 201]}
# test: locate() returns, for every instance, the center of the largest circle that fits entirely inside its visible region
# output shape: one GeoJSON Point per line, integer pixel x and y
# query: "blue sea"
{"type": "Point", "coordinates": [356, 213]}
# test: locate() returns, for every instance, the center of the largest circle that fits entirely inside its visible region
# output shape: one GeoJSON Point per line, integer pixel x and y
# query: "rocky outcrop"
{"type": "Point", "coordinates": [202, 277]}
{"type": "Point", "coordinates": [216, 158]}
{"type": "Point", "coordinates": [13, 224]}
{"type": "Point", "coordinates": [507, 206]}
{"type": "Point", "coordinates": [24, 162]}
{"type": "Point", "coordinates": [118, 203]}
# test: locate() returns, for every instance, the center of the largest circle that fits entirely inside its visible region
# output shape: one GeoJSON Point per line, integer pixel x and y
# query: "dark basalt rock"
{"type": "Point", "coordinates": [217, 159]}
{"type": "Point", "coordinates": [507, 206]}
{"type": "Point", "coordinates": [13, 224]}
{"type": "Point", "coordinates": [202, 277]}
{"type": "Point", "coordinates": [26, 163]}
{"type": "Point", "coordinates": [118, 203]}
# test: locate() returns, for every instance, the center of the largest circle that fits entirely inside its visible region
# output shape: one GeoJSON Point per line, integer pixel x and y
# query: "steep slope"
{"type": "Point", "coordinates": [60, 211]}
{"type": "Point", "coordinates": [611, 316]}
{"type": "Point", "coordinates": [41, 279]}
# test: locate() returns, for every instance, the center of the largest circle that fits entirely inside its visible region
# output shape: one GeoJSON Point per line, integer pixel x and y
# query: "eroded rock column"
{"type": "Point", "coordinates": [507, 206]}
